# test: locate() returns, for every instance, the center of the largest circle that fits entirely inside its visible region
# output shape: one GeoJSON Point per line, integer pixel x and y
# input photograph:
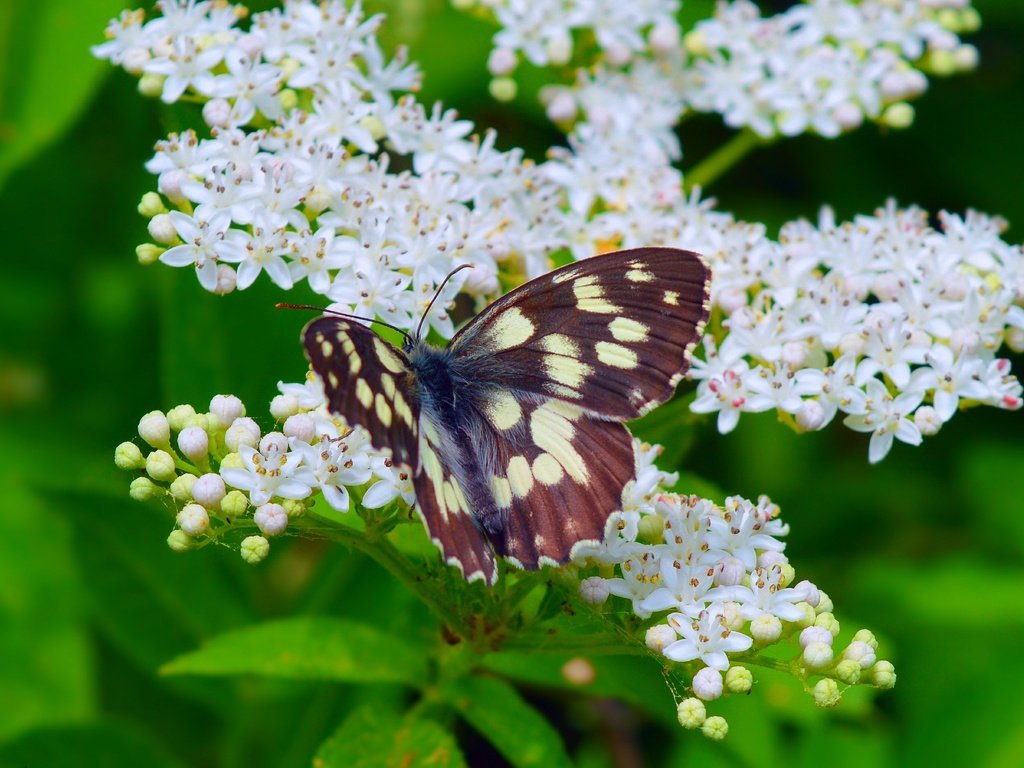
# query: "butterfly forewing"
{"type": "Point", "coordinates": [366, 380]}
{"type": "Point", "coordinates": [611, 334]}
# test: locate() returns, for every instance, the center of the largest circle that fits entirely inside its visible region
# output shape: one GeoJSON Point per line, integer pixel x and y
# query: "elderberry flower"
{"type": "Point", "coordinates": [705, 638]}
{"type": "Point", "coordinates": [268, 473]}
{"type": "Point", "coordinates": [707, 684]}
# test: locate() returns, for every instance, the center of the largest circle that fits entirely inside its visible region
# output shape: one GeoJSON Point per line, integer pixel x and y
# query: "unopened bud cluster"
{"type": "Point", "coordinates": [223, 474]}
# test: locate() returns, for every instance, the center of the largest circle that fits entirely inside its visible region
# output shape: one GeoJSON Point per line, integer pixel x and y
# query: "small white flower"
{"type": "Point", "coordinates": [705, 638]}
{"type": "Point", "coordinates": [886, 417]}
{"type": "Point", "coordinates": [273, 473]}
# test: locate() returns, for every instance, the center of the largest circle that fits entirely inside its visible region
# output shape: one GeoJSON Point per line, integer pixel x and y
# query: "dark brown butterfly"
{"type": "Point", "coordinates": [513, 433]}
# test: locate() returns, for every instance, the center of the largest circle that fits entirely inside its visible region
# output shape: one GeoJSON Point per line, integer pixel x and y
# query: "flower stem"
{"type": "Point", "coordinates": [708, 170]}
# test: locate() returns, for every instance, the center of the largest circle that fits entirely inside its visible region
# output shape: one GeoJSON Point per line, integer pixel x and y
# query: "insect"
{"type": "Point", "coordinates": [513, 433]}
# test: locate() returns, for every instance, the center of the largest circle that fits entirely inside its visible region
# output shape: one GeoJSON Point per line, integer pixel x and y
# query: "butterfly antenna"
{"type": "Point", "coordinates": [438, 293]}
{"type": "Point", "coordinates": [346, 315]}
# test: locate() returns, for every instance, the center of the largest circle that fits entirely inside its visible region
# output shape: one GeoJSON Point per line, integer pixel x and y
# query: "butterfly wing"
{"type": "Point", "coordinates": [369, 382]}
{"type": "Point", "coordinates": [612, 334]}
{"type": "Point", "coordinates": [558, 363]}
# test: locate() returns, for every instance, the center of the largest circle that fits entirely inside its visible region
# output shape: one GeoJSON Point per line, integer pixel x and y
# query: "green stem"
{"type": "Point", "coordinates": [707, 171]}
{"type": "Point", "coordinates": [606, 644]}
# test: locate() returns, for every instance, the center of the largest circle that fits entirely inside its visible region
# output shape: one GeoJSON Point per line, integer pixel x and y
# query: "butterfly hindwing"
{"type": "Point", "coordinates": [367, 381]}
{"type": "Point", "coordinates": [611, 334]}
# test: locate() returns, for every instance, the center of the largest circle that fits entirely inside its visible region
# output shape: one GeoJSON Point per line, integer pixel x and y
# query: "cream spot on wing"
{"type": "Point", "coordinates": [430, 431]}
{"type": "Point", "coordinates": [450, 499]}
{"type": "Point", "coordinates": [569, 371]}
{"type": "Point", "coordinates": [354, 363]}
{"type": "Point", "coordinates": [615, 355]}
{"type": "Point", "coordinates": [564, 275]}
{"type": "Point", "coordinates": [387, 383]}
{"type": "Point", "coordinates": [463, 504]}
{"type": "Point", "coordinates": [563, 391]}
{"type": "Point", "coordinates": [402, 409]}
{"type": "Point", "coordinates": [590, 296]}
{"type": "Point", "coordinates": [671, 298]}
{"type": "Point", "coordinates": [503, 410]}
{"type": "Point", "coordinates": [552, 431]}
{"type": "Point", "coordinates": [560, 344]}
{"type": "Point", "coordinates": [502, 492]}
{"type": "Point", "coordinates": [625, 329]}
{"type": "Point", "coordinates": [363, 393]}
{"type": "Point", "coordinates": [509, 329]}
{"type": "Point", "coordinates": [326, 348]}
{"type": "Point", "coordinates": [432, 468]}
{"type": "Point", "coordinates": [639, 276]}
{"type": "Point", "coordinates": [387, 356]}
{"type": "Point", "coordinates": [383, 410]}
{"type": "Point", "coordinates": [332, 379]}
{"type": "Point", "coordinates": [547, 470]}
{"type": "Point", "coordinates": [538, 542]}
{"type": "Point", "coordinates": [520, 478]}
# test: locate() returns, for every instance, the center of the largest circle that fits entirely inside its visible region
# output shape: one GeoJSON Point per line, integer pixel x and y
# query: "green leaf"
{"type": "Point", "coordinates": [518, 731]}
{"type": "Point", "coordinates": [47, 74]}
{"type": "Point", "coordinates": [309, 648]}
{"type": "Point", "coordinates": [635, 680]}
{"type": "Point", "coordinates": [372, 738]}
{"type": "Point", "coordinates": [101, 745]}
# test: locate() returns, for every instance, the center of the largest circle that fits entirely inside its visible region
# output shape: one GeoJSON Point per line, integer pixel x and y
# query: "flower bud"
{"type": "Point", "coordinates": [664, 37]}
{"type": "Point", "coordinates": [143, 489]}
{"type": "Point", "coordinates": [283, 406]}
{"type": "Point", "coordinates": [134, 60]}
{"type": "Point", "coordinates": [227, 279]}
{"type": "Point", "coordinates": [811, 416]}
{"type": "Point", "coordinates": [181, 488]}
{"type": "Point", "coordinates": [294, 507]}
{"type": "Point", "coordinates": [738, 680]}
{"type": "Point", "coordinates": [707, 684]}
{"type": "Point", "coordinates": [828, 621]}
{"type": "Point", "coordinates": [234, 504]}
{"type": "Point", "coordinates": [927, 420]}
{"type": "Point", "coordinates": [559, 50]}
{"type": "Point", "coordinates": [715, 728]}
{"type": "Point", "coordinates": [867, 636]}
{"type": "Point", "coordinates": [169, 185]}
{"type": "Point", "coordinates": [226, 408]}
{"type": "Point", "coordinates": [561, 108]}
{"type": "Point", "coordinates": [254, 549]}
{"type": "Point", "coordinates": [898, 116]}
{"type": "Point", "coordinates": [882, 675]}
{"type": "Point", "coordinates": [160, 466]}
{"type": "Point", "coordinates": [209, 490]}
{"type": "Point", "coordinates": [847, 671]}
{"type": "Point", "coordinates": [659, 636]}
{"type": "Point", "coordinates": [965, 341]}
{"type": "Point", "coordinates": [617, 54]}
{"type": "Point", "coordinates": [818, 655]}
{"type": "Point", "coordinates": [129, 456]}
{"type": "Point", "coordinates": [317, 199]}
{"type": "Point", "coordinates": [766, 628]}
{"type": "Point", "coordinates": [301, 426]}
{"type": "Point", "coordinates": [502, 61]}
{"type": "Point", "coordinates": [815, 635]}
{"type": "Point", "coordinates": [695, 43]}
{"type": "Point", "coordinates": [579, 671]}
{"type": "Point", "coordinates": [179, 416]}
{"type": "Point", "coordinates": [1015, 339]}
{"type": "Point", "coordinates": [732, 615]}
{"type": "Point", "coordinates": [503, 89]}
{"type": "Point", "coordinates": [193, 520]}
{"type": "Point", "coordinates": [729, 572]}
{"type": "Point", "coordinates": [271, 519]}
{"type": "Point", "coordinates": [179, 541]}
{"type": "Point", "coordinates": [848, 115]}
{"type": "Point", "coordinates": [232, 461]}
{"type": "Point", "coordinates": [860, 652]}
{"type": "Point", "coordinates": [273, 441]}
{"type": "Point", "coordinates": [826, 692]}
{"type": "Point", "coordinates": [217, 113]}
{"type": "Point", "coordinates": [594, 590]}
{"type": "Point", "coordinates": [243, 431]}
{"type": "Point", "coordinates": [650, 529]}
{"type": "Point", "coordinates": [162, 230]}
{"type": "Point", "coordinates": [770, 558]}
{"type": "Point", "coordinates": [824, 602]}
{"type": "Point", "coordinates": [151, 205]}
{"type": "Point", "coordinates": [809, 591]}
{"type": "Point", "coordinates": [194, 443]}
{"type": "Point", "coordinates": [807, 619]}
{"type": "Point", "coordinates": [151, 85]}
{"type": "Point", "coordinates": [691, 713]}
{"type": "Point", "coordinates": [148, 253]}
{"type": "Point", "coordinates": [155, 430]}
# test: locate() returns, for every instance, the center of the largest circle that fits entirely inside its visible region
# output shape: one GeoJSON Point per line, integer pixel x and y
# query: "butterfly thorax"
{"type": "Point", "coordinates": [450, 401]}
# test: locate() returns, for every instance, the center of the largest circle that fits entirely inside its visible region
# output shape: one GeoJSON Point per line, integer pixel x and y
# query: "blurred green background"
{"type": "Point", "coordinates": [926, 549]}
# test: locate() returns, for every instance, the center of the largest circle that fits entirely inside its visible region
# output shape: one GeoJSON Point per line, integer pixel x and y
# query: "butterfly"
{"type": "Point", "coordinates": [513, 433]}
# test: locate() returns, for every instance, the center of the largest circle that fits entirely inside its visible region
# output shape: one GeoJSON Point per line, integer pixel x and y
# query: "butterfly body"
{"type": "Point", "coordinates": [513, 432]}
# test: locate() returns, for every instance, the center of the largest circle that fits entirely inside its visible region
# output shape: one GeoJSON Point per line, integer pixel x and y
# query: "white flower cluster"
{"type": "Point", "coordinates": [824, 65]}
{"type": "Point", "coordinates": [883, 319]}
{"type": "Point", "coordinates": [542, 31]}
{"type": "Point", "coordinates": [218, 467]}
{"type": "Point", "coordinates": [310, 194]}
{"type": "Point", "coordinates": [719, 579]}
